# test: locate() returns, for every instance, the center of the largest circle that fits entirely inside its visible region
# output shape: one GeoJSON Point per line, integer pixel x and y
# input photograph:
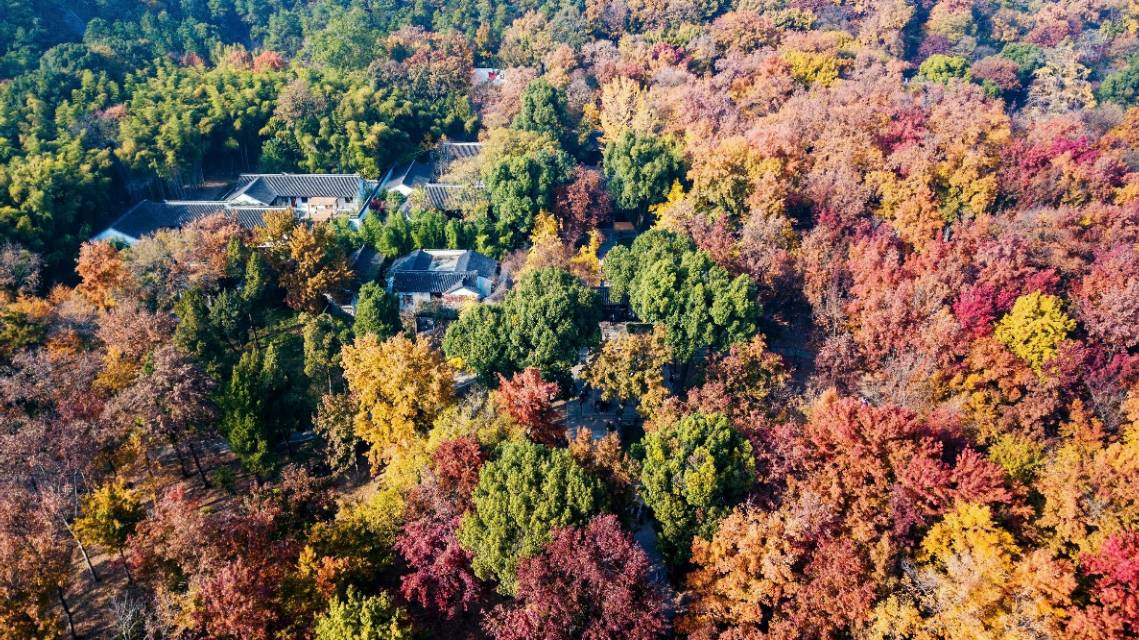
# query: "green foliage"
{"type": "Point", "coordinates": [392, 237]}
{"type": "Point", "coordinates": [942, 68]}
{"type": "Point", "coordinates": [671, 283]}
{"type": "Point", "coordinates": [641, 168]}
{"type": "Point", "coordinates": [179, 116]}
{"type": "Point", "coordinates": [324, 335]}
{"type": "Point", "coordinates": [1121, 87]}
{"type": "Point", "coordinates": [262, 404]}
{"type": "Point", "coordinates": [544, 111]}
{"type": "Point", "coordinates": [359, 617]}
{"type": "Point", "coordinates": [212, 329]}
{"type": "Point", "coordinates": [542, 322]}
{"type": "Point", "coordinates": [693, 473]}
{"type": "Point", "coordinates": [329, 122]}
{"type": "Point", "coordinates": [520, 172]}
{"type": "Point", "coordinates": [377, 312]}
{"type": "Point", "coordinates": [1027, 56]}
{"type": "Point", "coordinates": [524, 494]}
{"type": "Point", "coordinates": [51, 201]}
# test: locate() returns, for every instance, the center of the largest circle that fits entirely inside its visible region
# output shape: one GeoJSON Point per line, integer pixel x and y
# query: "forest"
{"type": "Point", "coordinates": [819, 319]}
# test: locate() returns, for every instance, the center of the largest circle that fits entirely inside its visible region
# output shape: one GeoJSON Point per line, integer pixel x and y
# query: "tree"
{"type": "Point", "coordinates": [1089, 489]}
{"type": "Point", "coordinates": [1121, 87]}
{"type": "Point", "coordinates": [400, 387]}
{"type": "Point", "coordinates": [631, 367]}
{"type": "Point", "coordinates": [260, 407]}
{"type": "Point", "coordinates": [520, 498]}
{"type": "Point", "coordinates": [110, 515]}
{"type": "Point", "coordinates": [587, 582]}
{"type": "Point", "coordinates": [641, 167]}
{"type": "Point", "coordinates": [171, 401]}
{"type": "Point", "coordinates": [521, 169]}
{"type": "Point", "coordinates": [35, 566]}
{"type": "Point", "coordinates": [670, 283]}
{"type": "Point", "coordinates": [695, 471]}
{"type": "Point", "coordinates": [51, 200]}
{"type": "Point", "coordinates": [1111, 613]}
{"type": "Point", "coordinates": [974, 584]}
{"type": "Point", "coordinates": [358, 617]}
{"type": "Point", "coordinates": [19, 270]}
{"type": "Point", "coordinates": [103, 276]}
{"type": "Point", "coordinates": [377, 312]}
{"type": "Point", "coordinates": [544, 112]}
{"type": "Point", "coordinates": [542, 322]}
{"type": "Point", "coordinates": [527, 399]}
{"type": "Point", "coordinates": [768, 568]}
{"type": "Point", "coordinates": [1034, 328]}
{"type": "Point", "coordinates": [1107, 298]}
{"type": "Point", "coordinates": [942, 68]}
{"type": "Point", "coordinates": [742, 382]}
{"type": "Point", "coordinates": [334, 424]}
{"type": "Point", "coordinates": [309, 262]}
{"type": "Point", "coordinates": [324, 336]}
{"type": "Point", "coordinates": [441, 579]}
{"type": "Point", "coordinates": [582, 204]}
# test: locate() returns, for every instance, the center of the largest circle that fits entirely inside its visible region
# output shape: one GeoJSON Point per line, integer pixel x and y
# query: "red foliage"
{"type": "Point", "coordinates": [837, 591]}
{"type": "Point", "coordinates": [885, 467]}
{"type": "Point", "coordinates": [456, 465]}
{"type": "Point", "coordinates": [582, 204]}
{"type": "Point", "coordinates": [440, 578]}
{"type": "Point", "coordinates": [592, 583]}
{"type": "Point", "coordinates": [1113, 612]}
{"type": "Point", "coordinates": [1107, 299]}
{"type": "Point", "coordinates": [237, 600]}
{"type": "Point", "coordinates": [529, 401]}
{"type": "Point", "coordinates": [269, 61]}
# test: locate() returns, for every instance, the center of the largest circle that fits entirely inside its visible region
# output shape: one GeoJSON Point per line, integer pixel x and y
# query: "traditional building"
{"type": "Point", "coordinates": [451, 277]}
{"type": "Point", "coordinates": [431, 176]}
{"type": "Point", "coordinates": [316, 197]}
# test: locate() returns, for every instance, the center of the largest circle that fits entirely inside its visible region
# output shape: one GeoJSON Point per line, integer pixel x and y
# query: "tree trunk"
{"type": "Point", "coordinates": [66, 613]}
{"type": "Point", "coordinates": [178, 454]}
{"type": "Point", "coordinates": [198, 465]}
{"type": "Point", "coordinates": [126, 566]}
{"type": "Point", "coordinates": [82, 552]}
{"type": "Point", "coordinates": [150, 474]}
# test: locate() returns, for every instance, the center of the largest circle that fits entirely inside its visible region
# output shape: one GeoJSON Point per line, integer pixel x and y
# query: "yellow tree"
{"type": "Point", "coordinates": [742, 573]}
{"type": "Point", "coordinates": [102, 274]}
{"type": "Point", "coordinates": [624, 105]}
{"type": "Point", "coordinates": [1090, 487]}
{"type": "Point", "coordinates": [1034, 328]}
{"type": "Point", "coordinates": [632, 367]}
{"type": "Point", "coordinates": [546, 246]}
{"type": "Point", "coordinates": [308, 261]}
{"type": "Point", "coordinates": [585, 264]}
{"type": "Point", "coordinates": [400, 387]}
{"type": "Point", "coordinates": [972, 584]}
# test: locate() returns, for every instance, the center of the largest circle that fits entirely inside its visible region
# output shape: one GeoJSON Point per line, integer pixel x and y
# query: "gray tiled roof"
{"type": "Point", "coordinates": [430, 281]}
{"type": "Point", "coordinates": [147, 217]}
{"type": "Point", "coordinates": [266, 187]}
{"type": "Point", "coordinates": [420, 260]}
{"type": "Point", "coordinates": [250, 217]}
{"type": "Point", "coordinates": [446, 197]}
{"type": "Point", "coordinates": [413, 273]}
{"type": "Point", "coordinates": [448, 153]}
{"type": "Point", "coordinates": [411, 175]}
